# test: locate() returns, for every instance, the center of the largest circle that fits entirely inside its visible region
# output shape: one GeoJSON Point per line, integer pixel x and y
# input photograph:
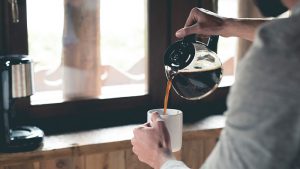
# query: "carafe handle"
{"type": "Point", "coordinates": [212, 43]}
{"type": "Point", "coordinates": [190, 38]}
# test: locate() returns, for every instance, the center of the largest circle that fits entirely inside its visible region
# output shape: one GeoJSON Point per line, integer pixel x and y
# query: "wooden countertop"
{"type": "Point", "coordinates": [104, 140]}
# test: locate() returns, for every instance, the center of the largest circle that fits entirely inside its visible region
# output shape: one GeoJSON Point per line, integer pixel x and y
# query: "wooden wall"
{"type": "Point", "coordinates": [193, 153]}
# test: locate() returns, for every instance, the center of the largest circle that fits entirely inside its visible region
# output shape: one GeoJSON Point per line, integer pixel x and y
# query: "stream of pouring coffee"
{"type": "Point", "coordinates": [168, 87]}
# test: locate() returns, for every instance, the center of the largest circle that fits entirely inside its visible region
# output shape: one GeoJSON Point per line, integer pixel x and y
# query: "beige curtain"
{"type": "Point", "coordinates": [81, 76]}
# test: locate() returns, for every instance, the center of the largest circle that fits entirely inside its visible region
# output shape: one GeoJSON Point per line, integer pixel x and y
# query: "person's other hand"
{"type": "Point", "coordinates": [151, 142]}
{"type": "Point", "coordinates": [204, 23]}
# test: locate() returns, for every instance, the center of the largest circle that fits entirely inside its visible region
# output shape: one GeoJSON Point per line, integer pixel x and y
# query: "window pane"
{"type": "Point", "coordinates": [91, 48]}
{"type": "Point", "coordinates": [227, 47]}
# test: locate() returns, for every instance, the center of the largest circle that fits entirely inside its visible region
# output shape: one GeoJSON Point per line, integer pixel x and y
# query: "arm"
{"type": "Point", "coordinates": [206, 23]}
{"type": "Point", "coordinates": [263, 106]}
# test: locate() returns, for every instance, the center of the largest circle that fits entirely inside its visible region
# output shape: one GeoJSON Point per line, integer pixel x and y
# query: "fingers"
{"type": "Point", "coordinates": [137, 132]}
{"type": "Point", "coordinates": [190, 26]}
{"type": "Point", "coordinates": [147, 125]}
{"type": "Point", "coordinates": [156, 120]}
{"type": "Point", "coordinates": [155, 117]}
{"type": "Point", "coordinates": [194, 29]}
{"type": "Point", "coordinates": [201, 22]}
{"type": "Point", "coordinates": [192, 17]}
{"type": "Point", "coordinates": [139, 129]}
{"type": "Point", "coordinates": [160, 125]}
{"type": "Point", "coordinates": [133, 141]}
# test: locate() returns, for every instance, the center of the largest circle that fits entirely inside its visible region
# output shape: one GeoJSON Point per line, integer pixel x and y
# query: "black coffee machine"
{"type": "Point", "coordinates": [16, 82]}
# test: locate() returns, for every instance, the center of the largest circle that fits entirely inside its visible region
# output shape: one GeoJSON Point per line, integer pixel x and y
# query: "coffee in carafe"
{"type": "Point", "coordinates": [195, 70]}
{"type": "Point", "coordinates": [196, 84]}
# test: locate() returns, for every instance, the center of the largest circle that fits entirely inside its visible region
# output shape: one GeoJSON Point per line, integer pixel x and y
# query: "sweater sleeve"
{"type": "Point", "coordinates": [174, 164]}
{"type": "Point", "coordinates": [263, 111]}
{"type": "Point", "coordinates": [263, 115]}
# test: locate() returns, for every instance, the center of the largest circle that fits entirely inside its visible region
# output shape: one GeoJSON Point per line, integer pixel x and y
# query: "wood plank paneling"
{"type": "Point", "coordinates": [22, 166]}
{"type": "Point", "coordinates": [193, 153]}
{"type": "Point", "coordinates": [132, 161]}
{"type": "Point", "coordinates": [209, 145]}
{"type": "Point", "coordinates": [96, 161]}
{"type": "Point", "coordinates": [104, 141]}
{"type": "Point", "coordinates": [112, 160]}
{"type": "Point", "coordinates": [178, 155]}
{"type": "Point", "coordinates": [116, 160]}
{"type": "Point", "coordinates": [76, 162]}
{"type": "Point", "coordinates": [36, 165]}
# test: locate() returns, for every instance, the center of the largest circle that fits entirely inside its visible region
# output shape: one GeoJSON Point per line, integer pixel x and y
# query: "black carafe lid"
{"type": "Point", "coordinates": [181, 53]}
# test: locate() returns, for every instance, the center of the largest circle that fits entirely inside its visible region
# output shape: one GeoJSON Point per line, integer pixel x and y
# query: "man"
{"type": "Point", "coordinates": [263, 118]}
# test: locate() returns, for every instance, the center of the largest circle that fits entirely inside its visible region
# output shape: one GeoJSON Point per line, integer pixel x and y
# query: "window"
{"type": "Point", "coordinates": [152, 30]}
{"type": "Point", "coordinates": [65, 45]}
{"type": "Point", "coordinates": [227, 47]}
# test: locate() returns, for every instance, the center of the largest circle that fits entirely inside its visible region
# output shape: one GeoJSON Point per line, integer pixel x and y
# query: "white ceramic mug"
{"type": "Point", "coordinates": [173, 121]}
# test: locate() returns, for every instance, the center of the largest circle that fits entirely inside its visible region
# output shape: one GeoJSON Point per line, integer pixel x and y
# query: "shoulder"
{"type": "Point", "coordinates": [277, 43]}
{"type": "Point", "coordinates": [280, 34]}
{"type": "Point", "coordinates": [266, 78]}
{"type": "Point", "coordinates": [271, 63]}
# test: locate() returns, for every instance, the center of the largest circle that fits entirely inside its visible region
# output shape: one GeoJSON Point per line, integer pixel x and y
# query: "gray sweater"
{"type": "Point", "coordinates": [263, 118]}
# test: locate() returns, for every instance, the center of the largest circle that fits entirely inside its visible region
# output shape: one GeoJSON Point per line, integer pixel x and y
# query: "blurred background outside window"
{"type": "Point", "coordinates": [88, 48]}
{"type": "Point", "coordinates": [98, 48]}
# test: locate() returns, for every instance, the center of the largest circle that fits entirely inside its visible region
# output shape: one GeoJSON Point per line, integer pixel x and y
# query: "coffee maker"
{"type": "Point", "coordinates": [16, 82]}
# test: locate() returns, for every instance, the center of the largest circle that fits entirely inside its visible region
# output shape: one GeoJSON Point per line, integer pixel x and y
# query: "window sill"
{"type": "Point", "coordinates": [105, 140]}
{"type": "Point", "coordinates": [107, 92]}
{"type": "Point", "coordinates": [227, 81]}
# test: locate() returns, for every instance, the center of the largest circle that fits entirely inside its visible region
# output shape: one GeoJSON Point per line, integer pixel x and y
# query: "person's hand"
{"type": "Point", "coordinates": [151, 142]}
{"type": "Point", "coordinates": [204, 23]}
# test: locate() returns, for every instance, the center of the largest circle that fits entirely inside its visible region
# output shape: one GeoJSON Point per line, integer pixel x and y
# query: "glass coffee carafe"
{"type": "Point", "coordinates": [194, 69]}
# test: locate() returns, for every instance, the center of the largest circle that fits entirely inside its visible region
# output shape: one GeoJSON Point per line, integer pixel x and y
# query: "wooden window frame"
{"type": "Point", "coordinates": [164, 18]}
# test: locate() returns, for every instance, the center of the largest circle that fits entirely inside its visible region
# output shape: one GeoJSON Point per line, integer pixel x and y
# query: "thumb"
{"type": "Point", "coordinates": [156, 120]}
{"type": "Point", "coordinates": [159, 125]}
{"type": "Point", "coordinates": [194, 29]}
